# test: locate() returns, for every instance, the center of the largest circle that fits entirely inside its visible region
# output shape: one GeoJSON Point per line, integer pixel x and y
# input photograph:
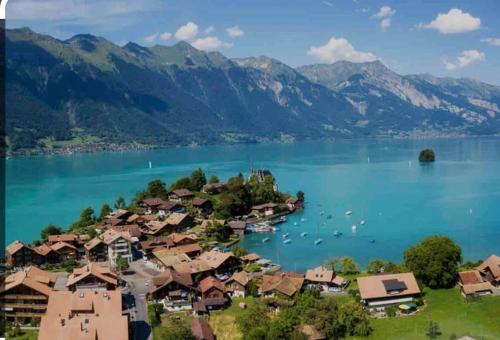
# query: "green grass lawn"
{"type": "Point", "coordinates": [28, 334]}
{"type": "Point", "coordinates": [223, 323]}
{"type": "Point", "coordinates": [479, 319]}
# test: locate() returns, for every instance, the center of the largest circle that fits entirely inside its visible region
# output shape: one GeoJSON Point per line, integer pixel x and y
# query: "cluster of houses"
{"type": "Point", "coordinates": [482, 280]}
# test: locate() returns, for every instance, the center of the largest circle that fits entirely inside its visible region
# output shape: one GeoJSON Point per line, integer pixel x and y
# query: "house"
{"type": "Point", "coordinates": [66, 251]}
{"type": "Point", "coordinates": [84, 314]}
{"type": "Point", "coordinates": [132, 229]}
{"type": "Point", "coordinates": [325, 280]}
{"type": "Point", "coordinates": [212, 293]}
{"type": "Point", "coordinates": [24, 294]}
{"type": "Point", "coordinates": [250, 258]}
{"type": "Point", "coordinates": [119, 244]}
{"type": "Point", "coordinates": [75, 240]}
{"type": "Point", "coordinates": [22, 255]}
{"type": "Point", "coordinates": [203, 206]}
{"type": "Point", "coordinates": [238, 227]}
{"type": "Point", "coordinates": [169, 207]}
{"type": "Point", "coordinates": [200, 329]}
{"type": "Point", "coordinates": [151, 204]}
{"type": "Point", "coordinates": [50, 255]}
{"type": "Point", "coordinates": [183, 239]}
{"type": "Point", "coordinates": [221, 262]}
{"type": "Point", "coordinates": [189, 250]}
{"type": "Point", "coordinates": [214, 188]}
{"type": "Point", "coordinates": [165, 260]}
{"type": "Point", "coordinates": [388, 289]}
{"type": "Point", "coordinates": [180, 195]}
{"type": "Point", "coordinates": [155, 244]}
{"type": "Point", "coordinates": [196, 268]}
{"type": "Point", "coordinates": [120, 214]}
{"type": "Point", "coordinates": [236, 285]}
{"type": "Point", "coordinates": [263, 210]}
{"type": "Point", "coordinates": [490, 270]}
{"type": "Point", "coordinates": [92, 276]}
{"type": "Point", "coordinates": [471, 283]}
{"type": "Point", "coordinates": [280, 283]}
{"type": "Point", "coordinates": [96, 250]}
{"type": "Point", "coordinates": [174, 222]}
{"type": "Point", "coordinates": [176, 290]}
{"type": "Point", "coordinates": [293, 203]}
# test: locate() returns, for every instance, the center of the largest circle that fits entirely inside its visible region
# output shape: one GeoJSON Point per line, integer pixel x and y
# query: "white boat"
{"type": "Point", "coordinates": [267, 239]}
{"type": "Point", "coordinates": [150, 164]}
{"type": "Point", "coordinates": [362, 222]}
{"type": "Point", "coordinates": [337, 233]}
{"type": "Point", "coordinates": [348, 212]}
{"type": "Point", "coordinates": [287, 241]}
{"type": "Point", "coordinates": [302, 219]}
{"type": "Point", "coordinates": [285, 235]}
{"type": "Point", "coordinates": [354, 227]}
{"type": "Point", "coordinates": [304, 234]}
{"type": "Point", "coordinates": [295, 223]}
{"type": "Point", "coordinates": [318, 241]}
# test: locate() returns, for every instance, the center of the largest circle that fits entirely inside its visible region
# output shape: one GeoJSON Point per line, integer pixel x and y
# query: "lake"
{"type": "Point", "coordinates": [380, 181]}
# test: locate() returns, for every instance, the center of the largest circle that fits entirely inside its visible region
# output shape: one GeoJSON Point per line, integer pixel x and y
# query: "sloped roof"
{"type": "Point", "coordinates": [241, 277]}
{"type": "Point", "coordinates": [132, 229]}
{"type": "Point", "coordinates": [168, 276]}
{"type": "Point", "coordinates": [92, 269]}
{"type": "Point", "coordinates": [62, 237]}
{"type": "Point", "coordinates": [43, 249]}
{"type": "Point", "coordinates": [15, 246]}
{"type": "Point", "coordinates": [182, 193]}
{"type": "Point", "coordinates": [110, 236]}
{"type": "Point", "coordinates": [192, 267]}
{"type": "Point", "coordinates": [372, 287]}
{"type": "Point", "coordinates": [169, 258]}
{"type": "Point", "coordinates": [179, 237]}
{"type": "Point", "coordinates": [210, 282]}
{"type": "Point", "coordinates": [241, 225]}
{"type": "Point", "coordinates": [320, 274]}
{"type": "Point", "coordinates": [153, 201]}
{"type": "Point", "coordinates": [215, 258]}
{"type": "Point", "coordinates": [474, 288]}
{"type": "Point", "coordinates": [198, 202]}
{"type": "Point", "coordinates": [93, 243]}
{"type": "Point", "coordinates": [492, 263]}
{"type": "Point", "coordinates": [264, 206]}
{"type": "Point", "coordinates": [32, 277]}
{"type": "Point", "coordinates": [470, 277]}
{"type": "Point", "coordinates": [201, 329]}
{"type": "Point", "coordinates": [250, 257]}
{"type": "Point", "coordinates": [286, 283]}
{"type": "Point", "coordinates": [60, 245]}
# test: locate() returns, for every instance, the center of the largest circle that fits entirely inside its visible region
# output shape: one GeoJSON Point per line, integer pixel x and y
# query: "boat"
{"type": "Point", "coordinates": [321, 213]}
{"type": "Point", "coordinates": [372, 241]}
{"type": "Point", "coordinates": [348, 212]}
{"type": "Point", "coordinates": [302, 219]}
{"type": "Point", "coordinates": [267, 239]}
{"type": "Point", "coordinates": [337, 233]}
{"type": "Point", "coordinates": [304, 234]}
{"type": "Point", "coordinates": [285, 235]}
{"type": "Point", "coordinates": [150, 165]}
{"type": "Point", "coordinates": [329, 217]}
{"type": "Point", "coordinates": [295, 223]}
{"type": "Point", "coordinates": [362, 222]}
{"type": "Point", "coordinates": [287, 241]}
{"type": "Point", "coordinates": [354, 227]}
{"type": "Point", "coordinates": [318, 241]}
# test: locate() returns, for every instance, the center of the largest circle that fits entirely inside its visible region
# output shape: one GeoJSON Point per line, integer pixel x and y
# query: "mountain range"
{"type": "Point", "coordinates": [86, 93]}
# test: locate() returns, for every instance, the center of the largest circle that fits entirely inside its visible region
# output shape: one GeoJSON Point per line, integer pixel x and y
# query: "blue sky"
{"type": "Point", "coordinates": [444, 38]}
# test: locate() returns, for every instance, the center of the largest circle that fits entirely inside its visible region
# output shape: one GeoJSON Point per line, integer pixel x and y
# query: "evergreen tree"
{"type": "Point", "coordinates": [120, 203]}
{"type": "Point", "coordinates": [105, 211]}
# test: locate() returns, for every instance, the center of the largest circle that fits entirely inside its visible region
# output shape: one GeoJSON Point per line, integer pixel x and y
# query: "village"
{"type": "Point", "coordinates": [169, 263]}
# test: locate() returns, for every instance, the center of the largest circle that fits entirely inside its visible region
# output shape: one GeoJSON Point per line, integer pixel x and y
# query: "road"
{"type": "Point", "coordinates": [137, 289]}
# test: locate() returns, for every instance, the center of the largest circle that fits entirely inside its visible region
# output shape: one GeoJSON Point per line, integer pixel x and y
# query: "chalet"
{"type": "Point", "coordinates": [190, 250]}
{"type": "Point", "coordinates": [75, 240]}
{"type": "Point", "coordinates": [200, 329]}
{"type": "Point", "coordinates": [169, 207]}
{"type": "Point", "coordinates": [156, 244]}
{"type": "Point", "coordinates": [262, 210]}
{"type": "Point", "coordinates": [119, 244]}
{"type": "Point", "coordinates": [22, 255]}
{"type": "Point", "coordinates": [490, 270]}
{"type": "Point", "coordinates": [196, 268]}
{"type": "Point", "coordinates": [165, 260]}
{"type": "Point", "coordinates": [181, 195]}
{"type": "Point", "coordinates": [174, 222]}
{"type": "Point", "coordinates": [238, 227]}
{"type": "Point", "coordinates": [203, 206]}
{"type": "Point", "coordinates": [281, 284]}
{"type": "Point", "coordinates": [24, 294]}
{"type": "Point", "coordinates": [222, 263]}
{"type": "Point", "coordinates": [50, 255]}
{"type": "Point", "coordinates": [388, 289]}
{"type": "Point", "coordinates": [250, 258]}
{"type": "Point", "coordinates": [236, 285]}
{"type": "Point", "coordinates": [92, 276]}
{"type": "Point", "coordinates": [214, 188]}
{"type": "Point", "coordinates": [84, 314]}
{"type": "Point", "coordinates": [132, 229]}
{"type": "Point", "coordinates": [121, 214]}
{"type": "Point", "coordinates": [471, 283]}
{"type": "Point", "coordinates": [150, 205]}
{"type": "Point", "coordinates": [212, 293]}
{"type": "Point", "coordinates": [66, 251]}
{"type": "Point", "coordinates": [293, 203]}
{"type": "Point", "coordinates": [176, 290]}
{"type": "Point", "coordinates": [325, 280]}
{"type": "Point", "coordinates": [96, 250]}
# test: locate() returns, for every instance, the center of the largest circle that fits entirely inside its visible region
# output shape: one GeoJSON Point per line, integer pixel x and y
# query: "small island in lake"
{"type": "Point", "coordinates": [427, 156]}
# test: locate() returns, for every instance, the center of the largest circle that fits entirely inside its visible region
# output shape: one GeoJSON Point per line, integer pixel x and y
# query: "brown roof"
{"type": "Point", "coordinates": [292, 200]}
{"type": "Point", "coordinates": [201, 329]}
{"type": "Point", "coordinates": [210, 282]}
{"type": "Point", "coordinates": [62, 237]}
{"type": "Point", "coordinates": [198, 201]}
{"type": "Point", "coordinates": [237, 225]}
{"type": "Point", "coordinates": [264, 206]}
{"type": "Point", "coordinates": [215, 258]}
{"type": "Point", "coordinates": [470, 277]}
{"type": "Point", "coordinates": [188, 248]}
{"type": "Point", "coordinates": [320, 274]}
{"type": "Point", "coordinates": [132, 229]}
{"type": "Point", "coordinates": [168, 205]}
{"type": "Point", "coordinates": [84, 315]}
{"type": "Point", "coordinates": [192, 267]}
{"type": "Point", "coordinates": [92, 269]}
{"type": "Point", "coordinates": [182, 193]}
{"type": "Point", "coordinates": [174, 219]}
{"type": "Point", "coordinates": [43, 249]}
{"type": "Point", "coordinates": [168, 276]}
{"type": "Point", "coordinates": [159, 241]}
{"type": "Point", "coordinates": [286, 283]}
{"type": "Point", "coordinates": [492, 263]}
{"type": "Point", "coordinates": [93, 243]}
{"type": "Point", "coordinates": [177, 237]}
{"type": "Point", "coordinates": [171, 259]}
{"type": "Point", "coordinates": [241, 277]}
{"type": "Point", "coordinates": [15, 247]}
{"type": "Point", "coordinates": [60, 245]}
{"type": "Point", "coordinates": [373, 287]}
{"type": "Point", "coordinates": [474, 288]}
{"type": "Point", "coordinates": [31, 277]}
{"type": "Point", "coordinates": [110, 236]}
{"type": "Point", "coordinates": [153, 201]}
{"type": "Point", "coordinates": [250, 257]}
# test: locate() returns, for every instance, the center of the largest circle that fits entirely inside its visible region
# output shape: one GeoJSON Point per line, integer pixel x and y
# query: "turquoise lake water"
{"type": "Point", "coordinates": [458, 196]}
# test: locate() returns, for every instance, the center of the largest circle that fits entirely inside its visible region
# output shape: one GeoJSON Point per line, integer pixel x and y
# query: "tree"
{"type": "Point", "coordinates": [154, 314]}
{"type": "Point", "coordinates": [252, 288]}
{"type": "Point", "coordinates": [238, 251]}
{"type": "Point", "coordinates": [375, 266]}
{"type": "Point", "coordinates": [426, 156]}
{"type": "Point", "coordinates": [105, 211]}
{"type": "Point", "coordinates": [157, 188]}
{"type": "Point", "coordinates": [120, 203]}
{"type": "Point", "coordinates": [198, 180]}
{"type": "Point", "coordinates": [355, 319]}
{"type": "Point", "coordinates": [255, 316]}
{"type": "Point", "coordinates": [433, 330]}
{"type": "Point", "coordinates": [217, 231]}
{"type": "Point", "coordinates": [121, 263]}
{"type": "Point", "coordinates": [343, 264]}
{"type": "Point", "coordinates": [300, 196]}
{"type": "Point", "coordinates": [86, 219]}
{"type": "Point", "coordinates": [434, 261]}
{"type": "Point", "coordinates": [181, 183]}
{"type": "Point", "coordinates": [50, 230]}
{"type": "Point", "coordinates": [213, 179]}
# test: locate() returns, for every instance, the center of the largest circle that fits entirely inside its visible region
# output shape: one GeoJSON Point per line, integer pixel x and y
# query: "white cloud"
{"type": "Point", "coordinates": [466, 58]}
{"type": "Point", "coordinates": [151, 38]}
{"type": "Point", "coordinates": [187, 31]}
{"type": "Point", "coordinates": [339, 49]}
{"type": "Point", "coordinates": [384, 12]}
{"type": "Point", "coordinates": [165, 36]}
{"type": "Point", "coordinates": [455, 21]}
{"type": "Point", "coordinates": [385, 23]}
{"type": "Point", "coordinates": [210, 43]}
{"type": "Point", "coordinates": [491, 41]}
{"type": "Point", "coordinates": [234, 32]}
{"type": "Point", "coordinates": [209, 30]}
